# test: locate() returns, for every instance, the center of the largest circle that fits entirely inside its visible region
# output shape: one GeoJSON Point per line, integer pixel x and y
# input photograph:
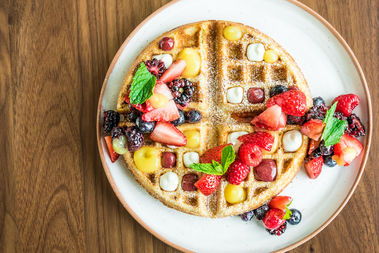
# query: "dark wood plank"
{"type": "Point", "coordinates": [54, 195]}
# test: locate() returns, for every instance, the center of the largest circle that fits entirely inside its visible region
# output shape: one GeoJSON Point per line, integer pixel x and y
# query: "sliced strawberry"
{"type": "Point", "coordinates": [213, 154]}
{"type": "Point", "coordinates": [273, 219]}
{"type": "Point", "coordinates": [292, 102]}
{"type": "Point", "coordinates": [174, 71]}
{"type": "Point", "coordinates": [237, 172]}
{"type": "Point", "coordinates": [262, 139]}
{"type": "Point", "coordinates": [207, 184]}
{"type": "Point", "coordinates": [346, 103]}
{"type": "Point", "coordinates": [312, 146]}
{"type": "Point", "coordinates": [313, 166]}
{"type": "Point", "coordinates": [280, 202]}
{"type": "Point", "coordinates": [250, 154]}
{"type": "Point", "coordinates": [313, 129]}
{"type": "Point", "coordinates": [167, 133]}
{"type": "Point", "coordinates": [145, 107]}
{"type": "Point", "coordinates": [162, 88]}
{"type": "Point", "coordinates": [347, 149]}
{"type": "Point", "coordinates": [167, 113]}
{"type": "Point", "coordinates": [112, 154]}
{"type": "Point", "coordinates": [273, 118]}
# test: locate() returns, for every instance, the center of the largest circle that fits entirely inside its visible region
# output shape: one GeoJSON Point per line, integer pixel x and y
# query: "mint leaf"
{"type": "Point", "coordinates": [142, 85]}
{"type": "Point", "coordinates": [288, 214]}
{"type": "Point", "coordinates": [227, 157]}
{"type": "Point", "coordinates": [203, 167]}
{"type": "Point", "coordinates": [330, 113]}
{"type": "Point", "coordinates": [334, 128]}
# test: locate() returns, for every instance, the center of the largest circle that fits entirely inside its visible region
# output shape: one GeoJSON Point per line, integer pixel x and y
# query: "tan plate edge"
{"type": "Point", "coordinates": [361, 169]}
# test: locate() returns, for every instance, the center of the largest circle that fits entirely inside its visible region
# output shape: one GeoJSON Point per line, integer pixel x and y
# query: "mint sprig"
{"type": "Point", "coordinates": [215, 168]}
{"type": "Point", "coordinates": [288, 213]}
{"type": "Point", "coordinates": [334, 128]}
{"type": "Point", "coordinates": [142, 85]}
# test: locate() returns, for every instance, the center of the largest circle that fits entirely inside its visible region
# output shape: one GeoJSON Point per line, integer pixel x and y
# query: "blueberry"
{"type": "Point", "coordinates": [193, 116]}
{"type": "Point", "coordinates": [295, 217]}
{"type": "Point", "coordinates": [145, 126]}
{"type": "Point", "coordinates": [277, 90]}
{"type": "Point", "coordinates": [260, 212]}
{"type": "Point", "coordinates": [133, 114]}
{"type": "Point", "coordinates": [317, 101]}
{"type": "Point", "coordinates": [180, 120]}
{"type": "Point", "coordinates": [247, 216]}
{"type": "Point", "coordinates": [328, 161]}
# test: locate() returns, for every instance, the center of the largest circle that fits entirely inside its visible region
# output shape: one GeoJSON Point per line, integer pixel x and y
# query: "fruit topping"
{"type": "Point", "coordinates": [247, 216]}
{"type": "Point", "coordinates": [155, 67]}
{"type": "Point", "coordinates": [295, 217]}
{"type": "Point", "coordinates": [147, 159]}
{"type": "Point", "coordinates": [193, 116]}
{"type": "Point", "coordinates": [180, 120]}
{"type": "Point", "coordinates": [234, 194]}
{"type": "Point", "coordinates": [144, 107]}
{"type": "Point", "coordinates": [166, 43]}
{"type": "Point", "coordinates": [207, 184]}
{"type": "Point", "coordinates": [346, 103]}
{"type": "Point", "coordinates": [169, 181]}
{"type": "Point", "coordinates": [355, 127]}
{"type": "Point", "coordinates": [292, 102]}
{"type": "Point", "coordinates": [313, 145]}
{"type": "Point", "coordinates": [273, 118]}
{"type": "Point", "coordinates": [262, 139]}
{"type": "Point", "coordinates": [233, 137]}
{"type": "Point", "coordinates": [270, 56]}
{"type": "Point", "coordinates": [255, 52]}
{"type": "Point", "coordinates": [190, 158]}
{"type": "Point", "coordinates": [188, 182]}
{"type": "Point", "coordinates": [167, 133]}
{"type": "Point", "coordinates": [174, 71]}
{"type": "Point", "coordinates": [278, 231]}
{"type": "Point", "coordinates": [280, 202]}
{"type": "Point", "coordinates": [111, 119]}
{"type": "Point", "coordinates": [232, 33]}
{"type": "Point", "coordinates": [234, 95]}
{"type": "Point", "coordinates": [273, 219]}
{"type": "Point", "coordinates": [133, 114]}
{"type": "Point", "coordinates": [346, 150]}
{"type": "Point", "coordinates": [168, 159]}
{"type": "Point", "coordinates": [161, 88]}
{"type": "Point", "coordinates": [193, 138]}
{"type": "Point", "coordinates": [292, 140]}
{"type": "Point", "coordinates": [167, 113]}
{"type": "Point", "coordinates": [313, 166]}
{"type": "Point", "coordinates": [237, 172]}
{"type": "Point", "coordinates": [135, 138]}
{"type": "Point", "coordinates": [255, 95]}
{"type": "Point", "coordinates": [295, 120]}
{"type": "Point", "coordinates": [316, 112]}
{"type": "Point", "coordinates": [213, 154]}
{"type": "Point", "coordinates": [250, 154]}
{"type": "Point", "coordinates": [182, 91]}
{"type": "Point", "coordinates": [193, 61]}
{"type": "Point", "coordinates": [324, 149]}
{"type": "Point", "coordinates": [158, 100]}
{"type": "Point", "coordinates": [261, 211]}
{"type": "Point", "coordinates": [112, 154]}
{"type": "Point", "coordinates": [266, 171]}
{"type": "Point", "coordinates": [328, 161]}
{"type": "Point", "coordinates": [277, 89]}
{"type": "Point", "coordinates": [165, 58]}
{"type": "Point", "coordinates": [313, 129]}
{"type": "Point", "coordinates": [117, 132]}
{"type": "Point", "coordinates": [318, 101]}
{"type": "Point", "coordinates": [145, 126]}
{"type": "Point", "coordinates": [119, 140]}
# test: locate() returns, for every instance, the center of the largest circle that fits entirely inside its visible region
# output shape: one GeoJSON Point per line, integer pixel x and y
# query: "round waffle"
{"type": "Point", "coordinates": [224, 64]}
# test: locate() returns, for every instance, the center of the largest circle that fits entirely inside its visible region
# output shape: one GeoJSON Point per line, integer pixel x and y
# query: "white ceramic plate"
{"type": "Point", "coordinates": [329, 67]}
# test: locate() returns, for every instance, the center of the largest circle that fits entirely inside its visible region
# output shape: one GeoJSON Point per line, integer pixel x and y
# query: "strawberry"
{"type": "Point", "coordinates": [346, 103]}
{"type": "Point", "coordinates": [273, 219]}
{"type": "Point", "coordinates": [262, 139]}
{"type": "Point", "coordinates": [312, 146]}
{"type": "Point", "coordinates": [145, 107]}
{"type": "Point", "coordinates": [313, 166]}
{"type": "Point", "coordinates": [167, 113]}
{"type": "Point", "coordinates": [347, 149]}
{"type": "Point", "coordinates": [112, 154]}
{"type": "Point", "coordinates": [292, 102]}
{"type": "Point", "coordinates": [313, 129]}
{"type": "Point", "coordinates": [207, 184]}
{"type": "Point", "coordinates": [162, 88]}
{"type": "Point", "coordinates": [280, 202]}
{"type": "Point", "coordinates": [237, 172]}
{"type": "Point", "coordinates": [273, 118]}
{"type": "Point", "coordinates": [250, 154]}
{"type": "Point", "coordinates": [173, 72]}
{"type": "Point", "coordinates": [167, 133]}
{"type": "Point", "coordinates": [213, 154]}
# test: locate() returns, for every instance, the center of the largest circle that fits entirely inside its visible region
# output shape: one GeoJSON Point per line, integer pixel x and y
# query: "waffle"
{"type": "Point", "coordinates": [223, 65]}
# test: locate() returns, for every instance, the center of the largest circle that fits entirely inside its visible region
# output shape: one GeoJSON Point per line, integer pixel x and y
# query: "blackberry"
{"type": "Point", "coordinates": [247, 216]}
{"type": "Point", "coordinates": [261, 211]}
{"type": "Point", "coordinates": [135, 138]}
{"type": "Point", "coordinates": [180, 120]}
{"type": "Point", "coordinates": [133, 114]}
{"type": "Point", "coordinates": [316, 112]}
{"type": "Point", "coordinates": [295, 217]}
{"type": "Point", "coordinates": [328, 161]}
{"type": "Point", "coordinates": [111, 119]}
{"type": "Point", "coordinates": [145, 126]}
{"type": "Point", "coordinates": [117, 132]}
{"type": "Point", "coordinates": [193, 116]}
{"type": "Point", "coordinates": [326, 150]}
{"type": "Point", "coordinates": [315, 153]}
{"type": "Point", "coordinates": [278, 231]}
{"type": "Point", "coordinates": [295, 120]}
{"type": "Point", "coordinates": [340, 115]}
{"type": "Point", "coordinates": [277, 90]}
{"type": "Point", "coordinates": [182, 90]}
{"type": "Point", "coordinates": [155, 67]}
{"type": "Point", "coordinates": [318, 101]}
{"type": "Point", "coordinates": [355, 127]}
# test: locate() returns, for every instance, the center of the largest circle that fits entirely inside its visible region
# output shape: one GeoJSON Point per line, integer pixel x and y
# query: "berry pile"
{"type": "Point", "coordinates": [182, 90]}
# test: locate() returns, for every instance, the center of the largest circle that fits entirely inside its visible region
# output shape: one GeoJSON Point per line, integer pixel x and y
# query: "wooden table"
{"type": "Point", "coordinates": [54, 195]}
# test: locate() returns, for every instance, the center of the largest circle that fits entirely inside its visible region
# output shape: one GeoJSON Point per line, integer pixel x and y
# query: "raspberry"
{"type": "Point", "coordinates": [111, 119]}
{"type": "Point", "coordinates": [155, 67]}
{"type": "Point", "coordinates": [250, 154]}
{"type": "Point", "coordinates": [346, 103]}
{"type": "Point", "coordinates": [355, 127]}
{"type": "Point", "coordinates": [182, 90]}
{"type": "Point", "coordinates": [237, 172]}
{"type": "Point", "coordinates": [292, 102]}
{"type": "Point", "coordinates": [278, 231]}
{"type": "Point", "coordinates": [135, 138]}
{"type": "Point", "coordinates": [262, 139]}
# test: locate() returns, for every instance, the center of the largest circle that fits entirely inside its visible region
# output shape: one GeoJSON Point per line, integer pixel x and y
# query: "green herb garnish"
{"type": "Point", "coordinates": [142, 85]}
{"type": "Point", "coordinates": [334, 128]}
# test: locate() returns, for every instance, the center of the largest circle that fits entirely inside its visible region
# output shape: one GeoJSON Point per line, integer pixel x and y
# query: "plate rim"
{"type": "Point", "coordinates": [361, 168]}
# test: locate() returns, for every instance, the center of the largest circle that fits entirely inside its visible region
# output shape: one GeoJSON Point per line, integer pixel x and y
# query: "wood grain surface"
{"type": "Point", "coordinates": [54, 196]}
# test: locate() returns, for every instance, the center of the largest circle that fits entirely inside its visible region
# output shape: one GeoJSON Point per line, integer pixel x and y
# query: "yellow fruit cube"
{"type": "Point", "coordinates": [193, 61]}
